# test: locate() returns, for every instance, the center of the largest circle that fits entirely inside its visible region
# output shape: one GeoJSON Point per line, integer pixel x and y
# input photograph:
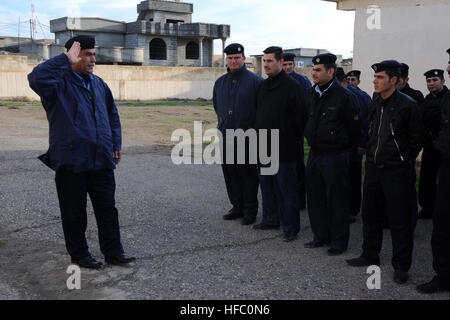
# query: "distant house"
{"type": "Point", "coordinates": [414, 32]}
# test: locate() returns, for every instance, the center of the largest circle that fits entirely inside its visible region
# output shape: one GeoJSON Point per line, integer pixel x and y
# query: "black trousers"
{"type": "Point", "coordinates": [72, 191]}
{"type": "Point", "coordinates": [327, 187]}
{"type": "Point", "coordinates": [388, 189]}
{"type": "Point", "coordinates": [242, 184]}
{"type": "Point", "coordinates": [431, 161]}
{"type": "Point", "coordinates": [355, 182]}
{"type": "Point", "coordinates": [440, 240]}
{"type": "Point", "coordinates": [301, 175]}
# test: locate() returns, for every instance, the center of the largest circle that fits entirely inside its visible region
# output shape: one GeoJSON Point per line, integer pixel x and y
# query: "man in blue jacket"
{"type": "Point", "coordinates": [85, 147]}
{"type": "Point", "coordinates": [234, 100]}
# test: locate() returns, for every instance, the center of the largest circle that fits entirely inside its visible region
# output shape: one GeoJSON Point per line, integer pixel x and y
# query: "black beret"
{"type": "Point", "coordinates": [86, 42]}
{"type": "Point", "coordinates": [340, 73]}
{"type": "Point", "coordinates": [434, 73]}
{"type": "Point", "coordinates": [289, 56]}
{"type": "Point", "coordinates": [404, 70]}
{"type": "Point", "coordinates": [387, 65]}
{"type": "Point", "coordinates": [234, 48]}
{"type": "Point", "coordinates": [354, 73]}
{"type": "Point", "coordinates": [324, 58]}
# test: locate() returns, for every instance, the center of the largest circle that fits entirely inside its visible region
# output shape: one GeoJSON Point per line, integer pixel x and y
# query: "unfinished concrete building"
{"type": "Point", "coordinates": [162, 35]}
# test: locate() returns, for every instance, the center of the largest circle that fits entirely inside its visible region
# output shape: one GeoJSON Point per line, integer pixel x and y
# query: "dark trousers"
{"type": "Point", "coordinates": [388, 188]}
{"type": "Point", "coordinates": [280, 198]}
{"type": "Point", "coordinates": [355, 182]}
{"type": "Point", "coordinates": [440, 240]}
{"type": "Point", "coordinates": [301, 175]}
{"type": "Point", "coordinates": [431, 161]}
{"type": "Point", "coordinates": [242, 183]}
{"type": "Point", "coordinates": [72, 191]}
{"type": "Point", "coordinates": [327, 187]}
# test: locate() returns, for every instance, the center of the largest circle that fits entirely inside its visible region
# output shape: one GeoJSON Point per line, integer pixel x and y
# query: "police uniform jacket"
{"type": "Point", "coordinates": [395, 130]}
{"type": "Point", "coordinates": [364, 102]}
{"type": "Point", "coordinates": [302, 80]}
{"type": "Point", "coordinates": [333, 123]}
{"type": "Point", "coordinates": [84, 123]}
{"type": "Point", "coordinates": [234, 99]}
{"type": "Point", "coordinates": [443, 142]}
{"type": "Point", "coordinates": [431, 114]}
{"type": "Point", "coordinates": [282, 105]}
{"type": "Point", "coordinates": [412, 93]}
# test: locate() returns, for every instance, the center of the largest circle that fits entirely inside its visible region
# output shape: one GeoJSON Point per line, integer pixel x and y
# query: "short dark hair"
{"type": "Point", "coordinates": [440, 76]}
{"type": "Point", "coordinates": [329, 66]}
{"type": "Point", "coordinates": [394, 73]}
{"type": "Point", "coordinates": [277, 51]}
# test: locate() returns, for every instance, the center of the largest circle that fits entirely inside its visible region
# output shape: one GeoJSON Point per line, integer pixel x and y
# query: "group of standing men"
{"type": "Point", "coordinates": [341, 123]}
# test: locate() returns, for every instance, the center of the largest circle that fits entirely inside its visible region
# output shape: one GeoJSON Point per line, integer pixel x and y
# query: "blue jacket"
{"type": "Point", "coordinates": [84, 123]}
{"type": "Point", "coordinates": [234, 99]}
{"type": "Point", "coordinates": [303, 80]}
{"type": "Point", "coordinates": [364, 102]}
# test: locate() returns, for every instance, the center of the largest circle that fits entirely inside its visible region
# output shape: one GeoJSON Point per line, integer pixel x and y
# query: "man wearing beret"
{"type": "Point", "coordinates": [333, 129]}
{"type": "Point", "coordinates": [85, 147]}
{"type": "Point", "coordinates": [440, 240]}
{"type": "Point", "coordinates": [281, 106]}
{"type": "Point", "coordinates": [395, 140]}
{"type": "Point", "coordinates": [234, 100]}
{"type": "Point", "coordinates": [431, 158]}
{"type": "Point", "coordinates": [353, 80]}
{"type": "Point", "coordinates": [288, 67]}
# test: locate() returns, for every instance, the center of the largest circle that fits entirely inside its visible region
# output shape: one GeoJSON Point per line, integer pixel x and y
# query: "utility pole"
{"type": "Point", "coordinates": [31, 29]}
{"type": "Point", "coordinates": [18, 37]}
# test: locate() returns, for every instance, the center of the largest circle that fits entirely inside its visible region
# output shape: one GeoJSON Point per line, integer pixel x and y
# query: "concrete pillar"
{"type": "Point", "coordinates": [223, 53]}
{"type": "Point", "coordinates": [200, 42]}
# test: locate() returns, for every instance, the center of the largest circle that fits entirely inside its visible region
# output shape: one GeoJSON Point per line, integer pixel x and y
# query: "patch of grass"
{"type": "Point", "coordinates": [131, 116]}
{"type": "Point", "coordinates": [171, 121]}
{"type": "Point", "coordinates": [1, 243]}
{"type": "Point", "coordinates": [17, 103]}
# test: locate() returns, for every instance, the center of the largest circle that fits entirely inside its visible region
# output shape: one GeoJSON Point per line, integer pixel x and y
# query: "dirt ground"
{"type": "Point", "coordinates": [24, 126]}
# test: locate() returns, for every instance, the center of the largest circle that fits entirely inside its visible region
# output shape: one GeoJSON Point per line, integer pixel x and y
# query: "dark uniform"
{"type": "Point", "coordinates": [234, 100]}
{"type": "Point", "coordinates": [332, 131]}
{"type": "Point", "coordinates": [306, 86]}
{"type": "Point", "coordinates": [356, 158]}
{"type": "Point", "coordinates": [418, 97]}
{"type": "Point", "coordinates": [281, 105]}
{"type": "Point", "coordinates": [395, 139]}
{"type": "Point", "coordinates": [440, 240]}
{"type": "Point", "coordinates": [431, 158]}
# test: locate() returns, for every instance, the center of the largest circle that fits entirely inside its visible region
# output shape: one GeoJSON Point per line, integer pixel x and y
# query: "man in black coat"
{"type": "Point", "coordinates": [395, 140]}
{"type": "Point", "coordinates": [431, 158]}
{"type": "Point", "coordinates": [333, 129]}
{"type": "Point", "coordinates": [234, 100]}
{"type": "Point", "coordinates": [280, 108]}
{"type": "Point", "coordinates": [440, 240]}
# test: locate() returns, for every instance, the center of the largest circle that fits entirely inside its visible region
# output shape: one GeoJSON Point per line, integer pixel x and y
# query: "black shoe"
{"type": "Point", "coordinates": [265, 226]}
{"type": "Point", "coordinates": [120, 259]}
{"type": "Point", "coordinates": [233, 214]}
{"type": "Point", "coordinates": [362, 262]}
{"type": "Point", "coordinates": [247, 221]}
{"type": "Point", "coordinates": [334, 252]}
{"type": "Point", "coordinates": [433, 286]}
{"type": "Point", "coordinates": [313, 244]}
{"type": "Point", "coordinates": [87, 262]}
{"type": "Point", "coordinates": [400, 276]}
{"type": "Point", "coordinates": [289, 236]}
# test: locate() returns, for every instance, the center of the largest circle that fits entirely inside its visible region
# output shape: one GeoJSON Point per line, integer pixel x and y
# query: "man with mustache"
{"type": "Point", "coordinates": [85, 147]}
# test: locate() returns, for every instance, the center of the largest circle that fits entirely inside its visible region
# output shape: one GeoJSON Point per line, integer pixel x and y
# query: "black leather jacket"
{"type": "Point", "coordinates": [395, 131]}
{"type": "Point", "coordinates": [443, 142]}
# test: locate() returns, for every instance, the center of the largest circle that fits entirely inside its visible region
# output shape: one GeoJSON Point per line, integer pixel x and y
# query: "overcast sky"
{"type": "Point", "coordinates": [256, 24]}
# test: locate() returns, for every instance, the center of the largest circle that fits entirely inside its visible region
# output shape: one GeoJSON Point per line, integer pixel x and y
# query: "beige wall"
{"type": "Point", "coordinates": [414, 32]}
{"type": "Point", "coordinates": [126, 82]}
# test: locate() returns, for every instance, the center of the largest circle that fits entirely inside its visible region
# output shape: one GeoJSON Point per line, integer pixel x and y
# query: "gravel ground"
{"type": "Point", "coordinates": [171, 220]}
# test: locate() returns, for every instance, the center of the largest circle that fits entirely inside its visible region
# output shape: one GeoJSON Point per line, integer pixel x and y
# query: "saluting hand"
{"type": "Point", "coordinates": [74, 52]}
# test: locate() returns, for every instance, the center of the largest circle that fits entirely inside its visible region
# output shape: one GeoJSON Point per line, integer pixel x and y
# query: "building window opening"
{"type": "Point", "coordinates": [158, 49]}
{"type": "Point", "coordinates": [192, 50]}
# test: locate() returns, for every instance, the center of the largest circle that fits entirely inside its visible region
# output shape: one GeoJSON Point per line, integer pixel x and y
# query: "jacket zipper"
{"type": "Point", "coordinates": [379, 130]}
{"type": "Point", "coordinates": [396, 144]}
